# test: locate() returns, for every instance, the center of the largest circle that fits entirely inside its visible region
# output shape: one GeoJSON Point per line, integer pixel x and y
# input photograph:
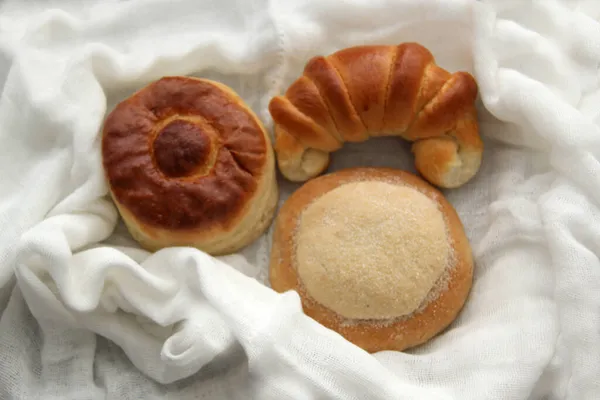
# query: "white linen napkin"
{"type": "Point", "coordinates": [531, 327]}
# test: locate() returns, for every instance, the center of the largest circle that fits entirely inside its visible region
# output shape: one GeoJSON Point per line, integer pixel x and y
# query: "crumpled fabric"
{"type": "Point", "coordinates": [86, 314]}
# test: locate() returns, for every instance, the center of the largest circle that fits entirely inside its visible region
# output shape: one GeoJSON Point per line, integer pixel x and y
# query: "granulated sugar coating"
{"type": "Point", "coordinates": [372, 250]}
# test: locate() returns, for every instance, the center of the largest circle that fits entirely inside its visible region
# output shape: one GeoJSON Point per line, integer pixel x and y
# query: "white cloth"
{"type": "Point", "coordinates": [531, 327]}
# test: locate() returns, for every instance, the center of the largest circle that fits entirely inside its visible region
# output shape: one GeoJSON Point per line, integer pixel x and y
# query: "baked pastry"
{"type": "Point", "coordinates": [368, 91]}
{"type": "Point", "coordinates": [376, 254]}
{"type": "Point", "coordinates": [189, 164]}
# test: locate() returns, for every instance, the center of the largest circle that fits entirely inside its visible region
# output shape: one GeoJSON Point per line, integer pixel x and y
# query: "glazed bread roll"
{"type": "Point", "coordinates": [367, 91]}
{"type": "Point", "coordinates": [376, 254]}
{"type": "Point", "coordinates": [189, 164]}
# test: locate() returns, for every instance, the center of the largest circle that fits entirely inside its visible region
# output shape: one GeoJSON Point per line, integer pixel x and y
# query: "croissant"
{"type": "Point", "coordinates": [368, 91]}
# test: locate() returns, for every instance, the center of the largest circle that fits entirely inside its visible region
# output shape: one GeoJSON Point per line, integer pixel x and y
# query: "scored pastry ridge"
{"type": "Point", "coordinates": [189, 163]}
{"type": "Point", "coordinates": [377, 328]}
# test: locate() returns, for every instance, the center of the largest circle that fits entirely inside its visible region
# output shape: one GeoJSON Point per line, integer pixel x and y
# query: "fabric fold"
{"type": "Point", "coordinates": [530, 326]}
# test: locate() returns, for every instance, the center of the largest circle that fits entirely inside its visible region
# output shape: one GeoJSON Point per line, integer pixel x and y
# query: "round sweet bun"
{"type": "Point", "coordinates": [189, 164]}
{"type": "Point", "coordinates": [376, 254]}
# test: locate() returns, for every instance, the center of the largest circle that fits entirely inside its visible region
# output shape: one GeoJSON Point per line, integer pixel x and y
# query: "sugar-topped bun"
{"type": "Point", "coordinates": [376, 254]}
{"type": "Point", "coordinates": [189, 164]}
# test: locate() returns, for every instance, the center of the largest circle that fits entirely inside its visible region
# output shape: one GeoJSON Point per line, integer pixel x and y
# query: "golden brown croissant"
{"type": "Point", "coordinates": [366, 91]}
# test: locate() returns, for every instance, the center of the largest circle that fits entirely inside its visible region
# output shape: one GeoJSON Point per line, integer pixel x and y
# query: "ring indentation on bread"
{"type": "Point", "coordinates": [368, 91]}
{"type": "Point", "coordinates": [376, 254]}
{"type": "Point", "coordinates": [182, 148]}
{"type": "Point", "coordinates": [189, 164]}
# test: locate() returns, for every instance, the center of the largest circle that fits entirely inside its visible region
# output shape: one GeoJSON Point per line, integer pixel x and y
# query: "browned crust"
{"type": "Point", "coordinates": [364, 91]}
{"type": "Point", "coordinates": [217, 192]}
{"type": "Point", "coordinates": [212, 199]}
{"type": "Point", "coordinates": [373, 336]}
